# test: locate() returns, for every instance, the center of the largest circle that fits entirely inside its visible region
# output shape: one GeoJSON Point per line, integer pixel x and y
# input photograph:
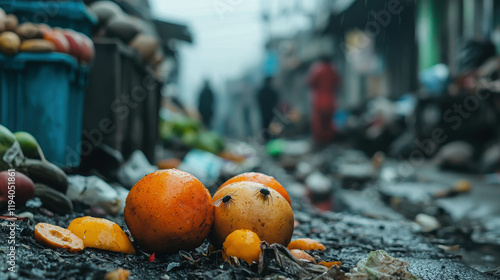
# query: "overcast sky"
{"type": "Point", "coordinates": [225, 42]}
{"type": "Point", "coordinates": [229, 36]}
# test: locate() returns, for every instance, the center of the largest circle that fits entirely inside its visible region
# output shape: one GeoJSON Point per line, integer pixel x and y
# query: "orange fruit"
{"type": "Point", "coordinates": [307, 244]}
{"type": "Point", "coordinates": [243, 244]}
{"type": "Point", "coordinates": [169, 210]}
{"type": "Point", "coordinates": [101, 234]}
{"type": "Point", "coordinates": [57, 237]}
{"type": "Point", "coordinates": [301, 255]}
{"type": "Point", "coordinates": [252, 206]}
{"type": "Point", "coordinates": [264, 179]}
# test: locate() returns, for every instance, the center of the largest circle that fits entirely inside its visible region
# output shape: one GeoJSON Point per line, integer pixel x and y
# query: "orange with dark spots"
{"type": "Point", "coordinates": [169, 210]}
{"type": "Point", "coordinates": [252, 206]}
{"type": "Point", "coordinates": [264, 179]}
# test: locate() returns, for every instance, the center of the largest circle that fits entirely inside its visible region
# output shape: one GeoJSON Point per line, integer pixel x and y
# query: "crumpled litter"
{"type": "Point", "coordinates": [380, 266]}
{"type": "Point", "coordinates": [95, 192]}
{"type": "Point", "coordinates": [276, 258]}
{"type": "Point", "coordinates": [135, 169]}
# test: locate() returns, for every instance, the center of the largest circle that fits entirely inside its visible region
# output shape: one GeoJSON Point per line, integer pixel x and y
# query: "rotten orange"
{"type": "Point", "coordinates": [169, 210]}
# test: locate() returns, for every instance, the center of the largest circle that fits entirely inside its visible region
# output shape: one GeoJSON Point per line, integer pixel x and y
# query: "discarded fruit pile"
{"type": "Point", "coordinates": [169, 227]}
{"type": "Point", "coordinates": [41, 38]}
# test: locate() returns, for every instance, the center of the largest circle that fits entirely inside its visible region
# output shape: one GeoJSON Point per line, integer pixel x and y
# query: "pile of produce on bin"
{"type": "Point", "coordinates": [40, 38]}
{"type": "Point", "coordinates": [190, 133]}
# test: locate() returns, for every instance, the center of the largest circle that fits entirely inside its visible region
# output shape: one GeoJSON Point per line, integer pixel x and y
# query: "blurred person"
{"type": "Point", "coordinates": [206, 104]}
{"type": "Point", "coordinates": [323, 80]}
{"type": "Point", "coordinates": [268, 101]}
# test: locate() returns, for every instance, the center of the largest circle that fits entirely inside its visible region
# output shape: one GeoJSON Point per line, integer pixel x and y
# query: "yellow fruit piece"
{"type": "Point", "coordinates": [243, 244]}
{"type": "Point", "coordinates": [101, 234]}
{"type": "Point", "coordinates": [307, 244]}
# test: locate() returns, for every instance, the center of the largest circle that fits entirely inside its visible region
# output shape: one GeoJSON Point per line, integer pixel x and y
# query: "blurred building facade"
{"type": "Point", "coordinates": [379, 46]}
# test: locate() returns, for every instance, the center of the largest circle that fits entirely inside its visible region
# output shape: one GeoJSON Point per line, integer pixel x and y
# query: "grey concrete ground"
{"type": "Point", "coordinates": [470, 219]}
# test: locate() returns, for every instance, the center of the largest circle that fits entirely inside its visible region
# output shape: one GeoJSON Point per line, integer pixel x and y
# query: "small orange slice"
{"type": "Point", "coordinates": [301, 255]}
{"type": "Point", "coordinates": [57, 237]}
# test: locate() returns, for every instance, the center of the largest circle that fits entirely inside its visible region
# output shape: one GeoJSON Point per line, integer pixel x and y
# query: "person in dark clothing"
{"type": "Point", "coordinates": [268, 101]}
{"type": "Point", "coordinates": [206, 104]}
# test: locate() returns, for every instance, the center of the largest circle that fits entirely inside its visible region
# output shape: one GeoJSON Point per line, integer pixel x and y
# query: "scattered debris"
{"type": "Point", "coordinates": [449, 248]}
{"type": "Point", "coordinates": [428, 223]}
{"type": "Point", "coordinates": [379, 265]}
{"type": "Point", "coordinates": [134, 169]}
{"type": "Point", "coordinates": [94, 192]}
{"type": "Point", "coordinates": [117, 274]}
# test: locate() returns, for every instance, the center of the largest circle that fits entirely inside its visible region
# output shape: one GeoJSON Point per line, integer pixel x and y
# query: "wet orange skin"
{"type": "Point", "coordinates": [101, 234]}
{"type": "Point", "coordinates": [169, 210]}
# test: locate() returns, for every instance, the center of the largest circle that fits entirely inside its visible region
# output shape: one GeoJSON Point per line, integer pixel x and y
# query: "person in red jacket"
{"type": "Point", "coordinates": [324, 80]}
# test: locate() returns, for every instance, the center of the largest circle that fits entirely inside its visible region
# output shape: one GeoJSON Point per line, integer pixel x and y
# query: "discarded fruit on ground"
{"type": "Point", "coordinates": [252, 206]}
{"type": "Point", "coordinates": [41, 171]}
{"type": "Point", "coordinates": [15, 185]}
{"type": "Point", "coordinates": [264, 179]}
{"type": "Point", "coordinates": [101, 234]}
{"type": "Point", "coordinates": [243, 244]}
{"type": "Point", "coordinates": [301, 255]}
{"type": "Point", "coordinates": [11, 154]}
{"type": "Point", "coordinates": [306, 244]}
{"type": "Point", "coordinates": [169, 210]}
{"type": "Point", "coordinates": [7, 139]}
{"type": "Point", "coordinates": [57, 237]}
{"type": "Point", "coordinates": [29, 145]}
{"type": "Point", "coordinates": [53, 200]}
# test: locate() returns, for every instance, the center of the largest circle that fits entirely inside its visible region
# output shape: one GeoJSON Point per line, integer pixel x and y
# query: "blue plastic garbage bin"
{"type": "Point", "coordinates": [43, 94]}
